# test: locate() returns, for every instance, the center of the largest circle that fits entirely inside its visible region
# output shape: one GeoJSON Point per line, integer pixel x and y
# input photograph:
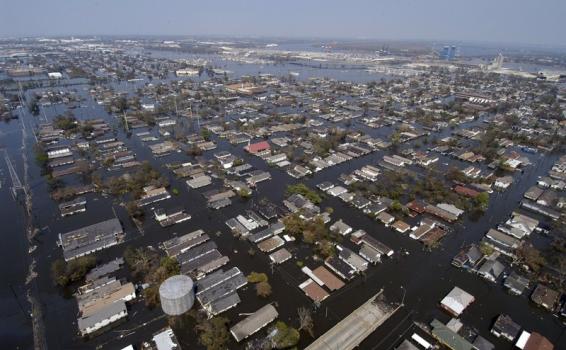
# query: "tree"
{"type": "Point", "coordinates": [244, 193]}
{"type": "Point", "coordinates": [256, 277]}
{"type": "Point", "coordinates": [151, 296]}
{"type": "Point", "coordinates": [263, 289]}
{"type": "Point", "coordinates": [396, 206]}
{"type": "Point", "coordinates": [306, 322]}
{"type": "Point", "coordinates": [134, 210]}
{"type": "Point", "coordinates": [213, 333]}
{"type": "Point", "coordinates": [65, 273]}
{"type": "Point", "coordinates": [531, 256]}
{"type": "Point", "coordinates": [285, 336]}
{"type": "Point", "coordinates": [481, 201]}
{"type": "Point", "coordinates": [206, 134]}
{"type": "Point", "coordinates": [305, 191]}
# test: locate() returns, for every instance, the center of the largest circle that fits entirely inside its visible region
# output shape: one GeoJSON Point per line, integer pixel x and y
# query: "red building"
{"type": "Point", "coordinates": [258, 147]}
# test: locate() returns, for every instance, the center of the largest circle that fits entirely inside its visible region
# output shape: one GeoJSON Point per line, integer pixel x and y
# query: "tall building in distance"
{"type": "Point", "coordinates": [448, 53]}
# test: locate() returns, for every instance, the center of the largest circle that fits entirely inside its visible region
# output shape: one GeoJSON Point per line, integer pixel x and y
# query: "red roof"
{"type": "Point", "coordinates": [466, 191]}
{"type": "Point", "coordinates": [258, 147]}
{"type": "Point", "coordinates": [538, 342]}
{"type": "Point", "coordinates": [417, 206]}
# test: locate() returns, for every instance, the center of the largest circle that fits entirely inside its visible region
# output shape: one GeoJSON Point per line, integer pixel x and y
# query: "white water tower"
{"type": "Point", "coordinates": [177, 295]}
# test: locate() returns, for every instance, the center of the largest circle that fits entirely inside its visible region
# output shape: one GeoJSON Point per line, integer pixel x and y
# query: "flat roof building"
{"type": "Point", "coordinates": [254, 322]}
{"type": "Point", "coordinates": [456, 301]}
{"type": "Point", "coordinates": [90, 239]}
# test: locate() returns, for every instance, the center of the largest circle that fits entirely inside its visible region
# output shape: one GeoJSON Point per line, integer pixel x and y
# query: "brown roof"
{"type": "Point", "coordinates": [331, 281]}
{"type": "Point", "coordinates": [465, 191]}
{"type": "Point", "coordinates": [401, 225]}
{"type": "Point", "coordinates": [417, 206]}
{"type": "Point", "coordinates": [538, 342]}
{"type": "Point", "coordinates": [314, 291]}
{"type": "Point", "coordinates": [545, 296]}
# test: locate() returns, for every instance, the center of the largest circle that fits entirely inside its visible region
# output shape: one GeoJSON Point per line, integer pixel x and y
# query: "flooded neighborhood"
{"type": "Point", "coordinates": [168, 193]}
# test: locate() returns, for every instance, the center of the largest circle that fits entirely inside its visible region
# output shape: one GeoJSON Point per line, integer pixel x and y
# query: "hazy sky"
{"type": "Point", "coordinates": [513, 21]}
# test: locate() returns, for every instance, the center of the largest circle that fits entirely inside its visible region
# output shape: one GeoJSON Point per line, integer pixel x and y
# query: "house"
{"type": "Point", "coordinates": [533, 341]}
{"type": "Point", "coordinates": [502, 183]}
{"type": "Point", "coordinates": [297, 202]}
{"type": "Point", "coordinates": [548, 198]}
{"type": "Point", "coordinates": [325, 186]}
{"type": "Point", "coordinates": [341, 228]}
{"type": "Point", "coordinates": [340, 268]}
{"type": "Point", "coordinates": [449, 338]}
{"type": "Point", "coordinates": [254, 322]}
{"type": "Point", "coordinates": [105, 316]}
{"type": "Point", "coordinates": [59, 152]}
{"type": "Point", "coordinates": [456, 301]}
{"type": "Point", "coordinates": [330, 281]}
{"type": "Point", "coordinates": [385, 218]}
{"type": "Point", "coordinates": [280, 256]}
{"type": "Point", "coordinates": [505, 327]}
{"type": "Point", "coordinates": [401, 226]}
{"type": "Point", "coordinates": [519, 225]}
{"type": "Point", "coordinates": [374, 209]}
{"type": "Point", "coordinates": [451, 209]}
{"type": "Point", "coordinates": [258, 177]}
{"type": "Point", "coordinates": [441, 213]}
{"type": "Point", "coordinates": [491, 270]}
{"type": "Point", "coordinates": [545, 182]}
{"type": "Point", "coordinates": [480, 343]}
{"type": "Point", "coordinates": [153, 194]}
{"type": "Point", "coordinates": [465, 191]}
{"type": "Point", "coordinates": [516, 284]}
{"type": "Point", "coordinates": [469, 257]}
{"type": "Point", "coordinates": [90, 239]}
{"type": "Point", "coordinates": [55, 75]}
{"type": "Point", "coordinates": [352, 259]}
{"type": "Point", "coordinates": [501, 241]}
{"type": "Point", "coordinates": [360, 202]}
{"type": "Point", "coordinates": [165, 340]}
{"type": "Point", "coordinates": [314, 291]}
{"type": "Point", "coordinates": [533, 193]}
{"type": "Point", "coordinates": [406, 345]}
{"type": "Point", "coordinates": [346, 197]}
{"type": "Point", "coordinates": [336, 191]}
{"type": "Point", "coordinates": [259, 148]}
{"type": "Point", "coordinates": [545, 297]}
{"type": "Point", "coordinates": [418, 207]}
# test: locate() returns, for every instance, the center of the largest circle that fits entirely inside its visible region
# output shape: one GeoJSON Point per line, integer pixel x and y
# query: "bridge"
{"type": "Point", "coordinates": [352, 330]}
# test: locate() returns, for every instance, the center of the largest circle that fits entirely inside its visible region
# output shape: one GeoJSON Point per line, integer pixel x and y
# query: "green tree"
{"type": "Point", "coordinates": [256, 277]}
{"type": "Point", "coordinates": [304, 190]}
{"type": "Point", "coordinates": [65, 273]}
{"type": "Point", "coordinates": [213, 333]}
{"type": "Point", "coordinates": [285, 336]}
{"type": "Point", "coordinates": [263, 289]}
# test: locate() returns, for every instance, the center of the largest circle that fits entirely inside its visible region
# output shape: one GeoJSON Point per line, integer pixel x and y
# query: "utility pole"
{"type": "Point", "coordinates": [126, 122]}
{"type": "Point", "coordinates": [176, 110]}
{"type": "Point", "coordinates": [16, 183]}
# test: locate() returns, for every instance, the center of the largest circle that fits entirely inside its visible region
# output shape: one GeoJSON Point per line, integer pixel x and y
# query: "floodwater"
{"type": "Point", "coordinates": [416, 277]}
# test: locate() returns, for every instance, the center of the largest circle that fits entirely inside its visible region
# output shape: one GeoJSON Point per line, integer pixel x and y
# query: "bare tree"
{"type": "Point", "coordinates": [305, 320]}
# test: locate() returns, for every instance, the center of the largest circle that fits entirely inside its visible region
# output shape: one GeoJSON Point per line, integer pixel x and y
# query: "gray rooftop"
{"type": "Point", "coordinates": [254, 322]}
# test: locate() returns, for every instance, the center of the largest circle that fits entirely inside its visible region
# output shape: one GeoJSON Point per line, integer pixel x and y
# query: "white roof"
{"type": "Point", "coordinates": [164, 340]}
{"type": "Point", "coordinates": [457, 300]}
{"type": "Point", "coordinates": [522, 341]}
{"type": "Point", "coordinates": [451, 209]}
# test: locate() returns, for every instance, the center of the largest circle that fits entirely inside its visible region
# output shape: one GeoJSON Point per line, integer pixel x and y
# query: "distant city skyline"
{"type": "Point", "coordinates": [505, 21]}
